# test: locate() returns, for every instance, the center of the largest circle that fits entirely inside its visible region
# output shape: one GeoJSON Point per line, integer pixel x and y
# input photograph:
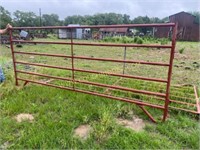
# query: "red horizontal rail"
{"type": "Point", "coordinates": [186, 98]}
{"type": "Point", "coordinates": [99, 26]}
{"type": "Point", "coordinates": [96, 44]}
{"type": "Point", "coordinates": [123, 45]}
{"type": "Point", "coordinates": [138, 102]}
{"type": "Point", "coordinates": [95, 72]}
{"type": "Point", "coordinates": [183, 103]}
{"type": "Point", "coordinates": [96, 84]}
{"type": "Point", "coordinates": [173, 101]}
{"type": "Point", "coordinates": [183, 109]}
{"type": "Point", "coordinates": [99, 59]}
{"type": "Point", "coordinates": [43, 54]}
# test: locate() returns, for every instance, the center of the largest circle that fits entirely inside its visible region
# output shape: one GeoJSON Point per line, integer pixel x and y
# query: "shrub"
{"type": "Point", "coordinates": [135, 39]}
{"type": "Point", "coordinates": [138, 40]}
{"type": "Point", "coordinates": [116, 39]}
{"type": "Point", "coordinates": [124, 39]}
{"type": "Point", "coordinates": [106, 39]}
{"type": "Point", "coordinates": [163, 41]}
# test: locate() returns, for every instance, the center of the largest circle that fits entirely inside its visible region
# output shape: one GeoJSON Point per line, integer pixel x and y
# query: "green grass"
{"type": "Point", "coordinates": [58, 112]}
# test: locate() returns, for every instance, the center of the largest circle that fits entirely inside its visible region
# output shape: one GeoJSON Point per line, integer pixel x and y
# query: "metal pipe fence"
{"type": "Point", "coordinates": [160, 96]}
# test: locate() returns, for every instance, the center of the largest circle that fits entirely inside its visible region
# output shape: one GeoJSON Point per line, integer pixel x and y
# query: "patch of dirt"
{"type": "Point", "coordinates": [24, 117]}
{"type": "Point", "coordinates": [46, 80]}
{"type": "Point", "coordinates": [136, 124]}
{"type": "Point", "coordinates": [4, 146]}
{"type": "Point", "coordinates": [31, 57]}
{"type": "Point", "coordinates": [82, 131]}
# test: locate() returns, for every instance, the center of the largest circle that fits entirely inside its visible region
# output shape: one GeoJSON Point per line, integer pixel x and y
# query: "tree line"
{"type": "Point", "coordinates": [21, 18]}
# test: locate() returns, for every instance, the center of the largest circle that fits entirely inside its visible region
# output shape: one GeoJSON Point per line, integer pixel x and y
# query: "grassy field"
{"type": "Point", "coordinates": [57, 113]}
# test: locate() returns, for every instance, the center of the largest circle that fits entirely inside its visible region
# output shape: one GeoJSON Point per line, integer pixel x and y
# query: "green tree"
{"type": "Point", "coordinates": [126, 19]}
{"type": "Point", "coordinates": [25, 19]}
{"type": "Point", "coordinates": [197, 16]}
{"type": "Point", "coordinates": [5, 17]}
{"type": "Point", "coordinates": [156, 20]}
{"type": "Point", "coordinates": [98, 19]}
{"type": "Point", "coordinates": [142, 20]}
{"type": "Point", "coordinates": [113, 18]}
{"type": "Point", "coordinates": [75, 19]}
{"type": "Point", "coordinates": [50, 20]}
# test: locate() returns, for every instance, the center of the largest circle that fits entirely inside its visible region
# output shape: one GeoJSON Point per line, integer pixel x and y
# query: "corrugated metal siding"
{"type": "Point", "coordinates": [187, 29]}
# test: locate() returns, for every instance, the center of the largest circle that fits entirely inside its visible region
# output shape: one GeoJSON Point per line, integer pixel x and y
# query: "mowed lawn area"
{"type": "Point", "coordinates": [56, 114]}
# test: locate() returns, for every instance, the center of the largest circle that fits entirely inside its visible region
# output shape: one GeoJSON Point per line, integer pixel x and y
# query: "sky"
{"type": "Point", "coordinates": [133, 8]}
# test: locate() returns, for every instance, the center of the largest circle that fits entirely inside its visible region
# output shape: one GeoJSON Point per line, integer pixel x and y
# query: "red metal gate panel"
{"type": "Point", "coordinates": [108, 88]}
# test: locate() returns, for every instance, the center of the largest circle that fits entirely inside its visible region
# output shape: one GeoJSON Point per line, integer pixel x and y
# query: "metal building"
{"type": "Point", "coordinates": [188, 28]}
{"type": "Point", "coordinates": [66, 33]}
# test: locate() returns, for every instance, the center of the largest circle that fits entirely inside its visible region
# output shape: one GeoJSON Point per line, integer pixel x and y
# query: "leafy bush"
{"type": "Point", "coordinates": [163, 41]}
{"type": "Point", "coordinates": [118, 39]}
{"type": "Point", "coordinates": [106, 39]}
{"type": "Point", "coordinates": [126, 39]}
{"type": "Point", "coordinates": [135, 39]}
{"type": "Point", "coordinates": [138, 40]}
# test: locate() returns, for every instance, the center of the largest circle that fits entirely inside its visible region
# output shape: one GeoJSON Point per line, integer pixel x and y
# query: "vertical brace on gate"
{"type": "Point", "coordinates": [13, 56]}
{"type": "Point", "coordinates": [167, 99]}
{"type": "Point", "coordinates": [25, 83]}
{"type": "Point", "coordinates": [72, 55]}
{"type": "Point", "coordinates": [147, 113]}
{"type": "Point", "coordinates": [124, 65]}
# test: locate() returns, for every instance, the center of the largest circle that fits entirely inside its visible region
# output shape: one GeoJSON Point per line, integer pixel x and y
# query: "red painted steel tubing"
{"type": "Point", "coordinates": [181, 97]}
{"type": "Point", "coordinates": [97, 84]}
{"type": "Point", "coordinates": [148, 114]}
{"type": "Point", "coordinates": [173, 101]}
{"type": "Point", "coordinates": [72, 56]}
{"type": "Point", "coordinates": [91, 83]}
{"type": "Point", "coordinates": [187, 110]}
{"type": "Point", "coordinates": [183, 103]}
{"type": "Point", "coordinates": [122, 75]}
{"type": "Point", "coordinates": [135, 101]}
{"type": "Point", "coordinates": [98, 59]}
{"type": "Point", "coordinates": [43, 65]}
{"type": "Point", "coordinates": [42, 54]}
{"type": "Point", "coordinates": [95, 72]}
{"type": "Point", "coordinates": [170, 72]}
{"type": "Point", "coordinates": [138, 102]}
{"type": "Point", "coordinates": [123, 45]}
{"type": "Point", "coordinates": [99, 26]}
{"type": "Point", "coordinates": [13, 57]}
{"type": "Point", "coordinates": [96, 44]}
